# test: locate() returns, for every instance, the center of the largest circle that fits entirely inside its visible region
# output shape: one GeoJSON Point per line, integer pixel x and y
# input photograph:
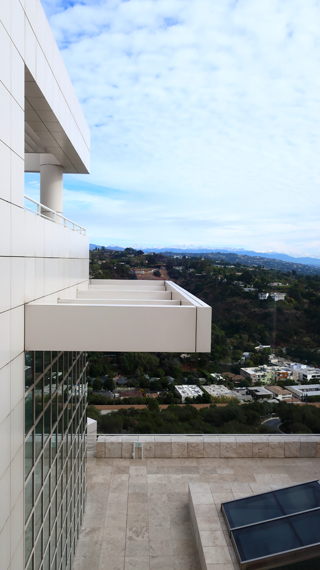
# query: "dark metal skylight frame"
{"type": "Point", "coordinates": [286, 530]}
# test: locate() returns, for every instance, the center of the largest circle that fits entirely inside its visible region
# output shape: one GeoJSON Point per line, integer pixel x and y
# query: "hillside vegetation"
{"type": "Point", "coordinates": [240, 321]}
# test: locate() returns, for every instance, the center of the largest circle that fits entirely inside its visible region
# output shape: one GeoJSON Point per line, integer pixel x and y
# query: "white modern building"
{"type": "Point", "coordinates": [188, 391]}
{"type": "Point", "coordinates": [308, 374]}
{"type": "Point", "coordinates": [49, 312]}
{"type": "Point", "coordinates": [218, 391]}
{"type": "Point", "coordinates": [303, 392]}
{"type": "Point", "coordinates": [263, 296]}
{"type": "Point", "coordinates": [278, 296]}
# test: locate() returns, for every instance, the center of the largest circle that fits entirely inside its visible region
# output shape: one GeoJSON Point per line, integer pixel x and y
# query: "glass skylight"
{"type": "Point", "coordinates": [277, 528]}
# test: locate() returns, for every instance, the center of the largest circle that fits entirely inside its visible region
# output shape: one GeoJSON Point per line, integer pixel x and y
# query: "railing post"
{"type": "Point", "coordinates": [38, 209]}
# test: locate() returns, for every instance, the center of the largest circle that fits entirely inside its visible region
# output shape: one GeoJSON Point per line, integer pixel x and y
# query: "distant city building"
{"type": "Point", "coordinates": [263, 296]}
{"type": "Point", "coordinates": [258, 392]}
{"type": "Point", "coordinates": [218, 391]}
{"type": "Point", "coordinates": [217, 377]}
{"type": "Point", "coordinates": [242, 395]}
{"type": "Point", "coordinates": [263, 374]}
{"type": "Point", "coordinates": [249, 289]}
{"type": "Point", "coordinates": [305, 375]}
{"type": "Point", "coordinates": [280, 393]}
{"type": "Point", "coordinates": [120, 380]}
{"type": "Point", "coordinates": [188, 391]}
{"type": "Point", "coordinates": [279, 370]}
{"type": "Point", "coordinates": [278, 296]}
{"type": "Point", "coordinates": [302, 391]}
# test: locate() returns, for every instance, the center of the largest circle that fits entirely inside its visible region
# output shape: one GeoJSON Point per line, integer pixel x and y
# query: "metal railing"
{"type": "Point", "coordinates": [51, 215]}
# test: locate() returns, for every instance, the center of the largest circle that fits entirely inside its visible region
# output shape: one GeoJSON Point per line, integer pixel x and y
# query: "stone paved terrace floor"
{"type": "Point", "coordinates": [137, 514]}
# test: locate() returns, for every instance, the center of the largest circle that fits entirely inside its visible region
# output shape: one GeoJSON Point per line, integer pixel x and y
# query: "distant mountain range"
{"type": "Point", "coordinates": [271, 255]}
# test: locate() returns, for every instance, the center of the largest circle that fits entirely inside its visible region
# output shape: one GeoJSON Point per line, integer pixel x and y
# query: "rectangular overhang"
{"type": "Point", "coordinates": [122, 316]}
{"type": "Point", "coordinates": [46, 133]}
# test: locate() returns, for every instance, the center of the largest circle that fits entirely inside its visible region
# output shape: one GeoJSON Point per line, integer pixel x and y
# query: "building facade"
{"type": "Point", "coordinates": [42, 403]}
{"type": "Point", "coordinates": [55, 457]}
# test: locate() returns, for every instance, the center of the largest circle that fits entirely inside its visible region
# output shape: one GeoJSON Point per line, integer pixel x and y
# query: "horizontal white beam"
{"type": "Point", "coordinates": [130, 283]}
{"type": "Point", "coordinates": [126, 288]}
{"type": "Point", "coordinates": [120, 302]}
{"type": "Point", "coordinates": [110, 328]}
{"type": "Point", "coordinates": [128, 294]}
{"type": "Point", "coordinates": [114, 317]}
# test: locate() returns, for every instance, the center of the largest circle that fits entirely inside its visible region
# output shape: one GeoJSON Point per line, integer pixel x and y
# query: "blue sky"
{"type": "Point", "coordinates": [204, 119]}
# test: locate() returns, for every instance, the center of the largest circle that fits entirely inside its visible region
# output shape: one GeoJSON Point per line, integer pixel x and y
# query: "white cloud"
{"type": "Point", "coordinates": [205, 113]}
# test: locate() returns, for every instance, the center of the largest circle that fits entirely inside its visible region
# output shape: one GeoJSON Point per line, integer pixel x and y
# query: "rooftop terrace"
{"type": "Point", "coordinates": [137, 515]}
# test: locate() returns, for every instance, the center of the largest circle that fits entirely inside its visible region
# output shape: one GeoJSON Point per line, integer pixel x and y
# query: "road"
{"type": "Point", "coordinates": [274, 423]}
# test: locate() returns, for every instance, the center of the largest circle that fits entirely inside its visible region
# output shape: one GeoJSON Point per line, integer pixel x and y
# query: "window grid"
{"type": "Point", "coordinates": [55, 457]}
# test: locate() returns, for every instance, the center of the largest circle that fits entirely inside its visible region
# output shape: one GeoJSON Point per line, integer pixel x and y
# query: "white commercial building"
{"type": "Point", "coordinates": [49, 312]}
{"type": "Point", "coordinates": [302, 391]}
{"type": "Point", "coordinates": [308, 374]}
{"type": "Point", "coordinates": [218, 391]}
{"type": "Point", "coordinates": [188, 391]}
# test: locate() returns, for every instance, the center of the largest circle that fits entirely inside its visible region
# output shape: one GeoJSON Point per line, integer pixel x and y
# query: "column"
{"type": "Point", "coordinates": [51, 186]}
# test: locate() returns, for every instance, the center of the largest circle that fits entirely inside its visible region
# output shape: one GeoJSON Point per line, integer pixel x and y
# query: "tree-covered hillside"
{"type": "Point", "coordinates": [240, 321]}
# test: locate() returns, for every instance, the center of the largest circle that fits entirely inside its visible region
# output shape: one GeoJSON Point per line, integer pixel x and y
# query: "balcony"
{"type": "Point", "coordinates": [117, 315]}
{"type": "Point", "coordinates": [48, 214]}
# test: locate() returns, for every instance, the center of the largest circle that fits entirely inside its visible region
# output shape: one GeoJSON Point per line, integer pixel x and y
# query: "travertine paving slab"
{"type": "Point", "coordinates": [137, 515]}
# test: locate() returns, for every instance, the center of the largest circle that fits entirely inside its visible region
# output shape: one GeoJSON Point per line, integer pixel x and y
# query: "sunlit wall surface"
{"type": "Point", "coordinates": [55, 467]}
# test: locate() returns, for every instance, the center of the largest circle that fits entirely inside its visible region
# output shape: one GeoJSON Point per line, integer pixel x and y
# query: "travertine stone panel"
{"type": "Point", "coordinates": [308, 449]}
{"type": "Point", "coordinates": [276, 449]}
{"type": "Point", "coordinates": [113, 449]}
{"type": "Point", "coordinates": [244, 449]}
{"type": "Point", "coordinates": [127, 450]}
{"type": "Point", "coordinates": [162, 449]}
{"type": "Point", "coordinates": [101, 449]}
{"type": "Point", "coordinates": [260, 449]}
{"type": "Point", "coordinates": [217, 555]}
{"type": "Point", "coordinates": [195, 448]}
{"type": "Point", "coordinates": [179, 449]}
{"type": "Point", "coordinates": [292, 449]}
{"type": "Point", "coordinates": [211, 448]}
{"type": "Point", "coordinates": [318, 449]}
{"type": "Point", "coordinates": [148, 445]}
{"type": "Point", "coordinates": [209, 530]}
{"type": "Point", "coordinates": [148, 450]}
{"type": "Point", "coordinates": [203, 498]}
{"type": "Point", "coordinates": [228, 449]}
